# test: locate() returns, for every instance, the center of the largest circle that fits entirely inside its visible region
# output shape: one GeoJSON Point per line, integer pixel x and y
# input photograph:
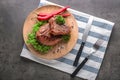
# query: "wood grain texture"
{"type": "Point", "coordinates": [55, 52]}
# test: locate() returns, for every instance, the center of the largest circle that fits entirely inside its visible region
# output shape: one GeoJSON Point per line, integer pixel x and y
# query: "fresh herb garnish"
{"type": "Point", "coordinates": [60, 20]}
{"type": "Point", "coordinates": [66, 38]}
{"type": "Point", "coordinates": [33, 41]}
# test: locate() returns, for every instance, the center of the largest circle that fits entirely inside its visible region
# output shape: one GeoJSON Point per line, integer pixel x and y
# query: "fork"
{"type": "Point", "coordinates": [95, 47]}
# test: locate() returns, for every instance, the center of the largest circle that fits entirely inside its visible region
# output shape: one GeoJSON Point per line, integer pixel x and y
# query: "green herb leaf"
{"type": "Point", "coordinates": [60, 20]}
{"type": "Point", "coordinates": [65, 38]}
{"type": "Point", "coordinates": [33, 41]}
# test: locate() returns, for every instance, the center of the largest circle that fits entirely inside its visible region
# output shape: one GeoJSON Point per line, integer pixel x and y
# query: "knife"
{"type": "Point", "coordinates": [84, 37]}
{"type": "Point", "coordinates": [93, 50]}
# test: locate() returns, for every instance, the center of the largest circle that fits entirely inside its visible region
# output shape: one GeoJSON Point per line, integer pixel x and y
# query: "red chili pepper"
{"type": "Point", "coordinates": [43, 17]}
{"type": "Point", "coordinates": [61, 10]}
{"type": "Point", "coordinates": [65, 15]}
{"type": "Point", "coordinates": [44, 14]}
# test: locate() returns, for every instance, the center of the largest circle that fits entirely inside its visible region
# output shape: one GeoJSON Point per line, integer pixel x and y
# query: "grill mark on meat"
{"type": "Point", "coordinates": [44, 30]}
{"type": "Point", "coordinates": [43, 36]}
{"type": "Point", "coordinates": [58, 29]}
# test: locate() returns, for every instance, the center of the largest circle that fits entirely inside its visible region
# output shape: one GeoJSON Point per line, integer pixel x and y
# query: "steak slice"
{"type": "Point", "coordinates": [58, 29]}
{"type": "Point", "coordinates": [43, 36]}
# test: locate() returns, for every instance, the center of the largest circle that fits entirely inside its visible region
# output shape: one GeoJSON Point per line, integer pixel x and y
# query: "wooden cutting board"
{"type": "Point", "coordinates": [58, 50]}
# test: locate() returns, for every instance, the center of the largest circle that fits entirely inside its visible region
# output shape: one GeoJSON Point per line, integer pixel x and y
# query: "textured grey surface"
{"type": "Point", "coordinates": [12, 16]}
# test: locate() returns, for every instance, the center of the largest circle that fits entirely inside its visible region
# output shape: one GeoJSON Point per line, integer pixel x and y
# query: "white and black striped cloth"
{"type": "Point", "coordinates": [100, 27]}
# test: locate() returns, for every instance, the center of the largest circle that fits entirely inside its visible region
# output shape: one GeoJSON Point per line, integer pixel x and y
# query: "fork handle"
{"type": "Point", "coordinates": [78, 54]}
{"type": "Point", "coordinates": [79, 67]}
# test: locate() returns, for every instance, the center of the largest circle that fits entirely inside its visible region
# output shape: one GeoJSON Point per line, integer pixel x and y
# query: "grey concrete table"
{"type": "Point", "coordinates": [12, 16]}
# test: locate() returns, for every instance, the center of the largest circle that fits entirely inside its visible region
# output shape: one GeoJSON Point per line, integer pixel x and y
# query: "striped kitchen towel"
{"type": "Point", "coordinates": [100, 27]}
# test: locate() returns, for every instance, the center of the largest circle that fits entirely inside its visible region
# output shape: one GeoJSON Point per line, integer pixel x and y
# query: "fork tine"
{"type": "Point", "coordinates": [98, 43]}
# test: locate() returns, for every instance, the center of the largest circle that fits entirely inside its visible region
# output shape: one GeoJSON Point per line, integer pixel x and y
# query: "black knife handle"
{"type": "Point", "coordinates": [78, 54]}
{"type": "Point", "coordinates": [79, 67]}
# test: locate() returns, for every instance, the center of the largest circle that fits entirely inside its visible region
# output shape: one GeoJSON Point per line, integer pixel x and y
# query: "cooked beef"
{"type": "Point", "coordinates": [43, 36]}
{"type": "Point", "coordinates": [58, 29]}
{"type": "Point", "coordinates": [44, 30]}
{"type": "Point", "coordinates": [50, 33]}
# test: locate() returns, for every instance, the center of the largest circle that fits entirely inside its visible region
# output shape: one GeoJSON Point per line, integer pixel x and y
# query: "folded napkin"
{"type": "Point", "coordinates": [100, 27]}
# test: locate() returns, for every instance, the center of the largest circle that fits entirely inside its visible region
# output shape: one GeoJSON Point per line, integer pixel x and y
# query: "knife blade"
{"type": "Point", "coordinates": [84, 37]}
{"type": "Point", "coordinates": [95, 47]}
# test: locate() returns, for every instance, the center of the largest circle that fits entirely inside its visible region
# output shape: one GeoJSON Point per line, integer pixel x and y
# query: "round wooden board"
{"type": "Point", "coordinates": [57, 51]}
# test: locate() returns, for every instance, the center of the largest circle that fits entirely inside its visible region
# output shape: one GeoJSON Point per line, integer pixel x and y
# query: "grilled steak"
{"type": "Point", "coordinates": [43, 36]}
{"type": "Point", "coordinates": [44, 30]}
{"type": "Point", "coordinates": [58, 29]}
{"type": "Point", "coordinates": [50, 33]}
